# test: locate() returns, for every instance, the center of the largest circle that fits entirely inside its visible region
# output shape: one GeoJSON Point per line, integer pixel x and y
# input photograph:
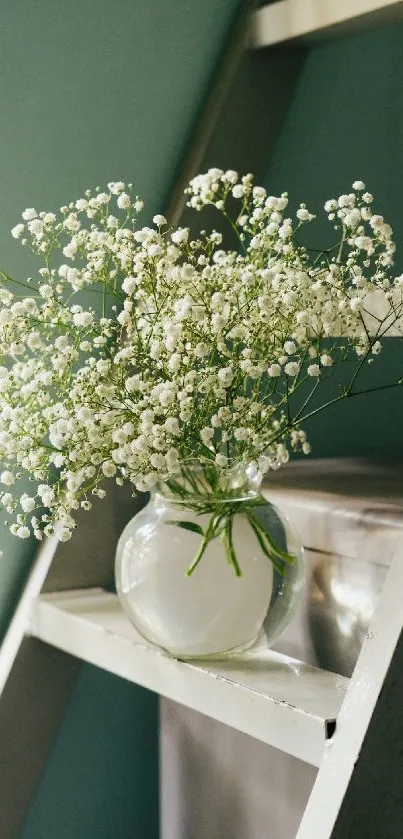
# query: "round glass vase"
{"type": "Point", "coordinates": [202, 574]}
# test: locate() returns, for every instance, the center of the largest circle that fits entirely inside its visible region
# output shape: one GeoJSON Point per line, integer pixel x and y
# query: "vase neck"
{"type": "Point", "coordinates": [205, 480]}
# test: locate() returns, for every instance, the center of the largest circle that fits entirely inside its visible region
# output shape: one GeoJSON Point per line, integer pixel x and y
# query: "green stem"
{"type": "Point", "coordinates": [283, 555]}
{"type": "Point", "coordinates": [229, 547]}
{"type": "Point", "coordinates": [259, 536]}
{"type": "Point", "coordinates": [199, 555]}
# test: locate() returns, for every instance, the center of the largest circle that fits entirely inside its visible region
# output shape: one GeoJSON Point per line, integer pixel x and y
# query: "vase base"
{"type": "Point", "coordinates": [258, 642]}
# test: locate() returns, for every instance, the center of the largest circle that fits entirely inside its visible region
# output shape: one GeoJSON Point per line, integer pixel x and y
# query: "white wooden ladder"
{"type": "Point", "coordinates": [351, 729]}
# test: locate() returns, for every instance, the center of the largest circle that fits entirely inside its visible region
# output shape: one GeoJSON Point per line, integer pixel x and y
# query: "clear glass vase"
{"type": "Point", "coordinates": [208, 567]}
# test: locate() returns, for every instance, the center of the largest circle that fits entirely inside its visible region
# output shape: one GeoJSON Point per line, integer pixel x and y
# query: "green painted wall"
{"type": "Point", "coordinates": [346, 122]}
{"type": "Point", "coordinates": [101, 779]}
{"type": "Point", "coordinates": [92, 91]}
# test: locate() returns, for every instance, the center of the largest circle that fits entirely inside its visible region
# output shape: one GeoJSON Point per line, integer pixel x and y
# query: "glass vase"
{"type": "Point", "coordinates": [209, 566]}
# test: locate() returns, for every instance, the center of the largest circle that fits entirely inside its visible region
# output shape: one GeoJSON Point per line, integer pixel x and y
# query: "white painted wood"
{"type": "Point", "coordinates": [362, 695]}
{"type": "Point", "coordinates": [342, 507]}
{"type": "Point", "coordinates": [273, 698]}
{"type": "Point", "coordinates": [19, 623]}
{"type": "Point", "coordinates": [289, 19]}
{"type": "Point", "coordinates": [278, 700]}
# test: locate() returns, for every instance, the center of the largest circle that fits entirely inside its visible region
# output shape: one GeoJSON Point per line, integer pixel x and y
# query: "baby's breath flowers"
{"type": "Point", "coordinates": [188, 351]}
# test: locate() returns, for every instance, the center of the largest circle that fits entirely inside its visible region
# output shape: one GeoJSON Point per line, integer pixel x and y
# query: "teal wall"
{"type": "Point", "coordinates": [346, 123]}
{"type": "Point", "coordinates": [101, 779]}
{"type": "Point", "coordinates": [91, 91]}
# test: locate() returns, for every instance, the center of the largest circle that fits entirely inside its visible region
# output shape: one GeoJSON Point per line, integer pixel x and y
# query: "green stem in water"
{"type": "Point", "coordinates": [226, 537]}
{"type": "Point", "coordinates": [221, 524]}
{"type": "Point", "coordinates": [284, 556]}
{"type": "Point", "coordinates": [259, 536]}
{"type": "Point", "coordinates": [204, 544]}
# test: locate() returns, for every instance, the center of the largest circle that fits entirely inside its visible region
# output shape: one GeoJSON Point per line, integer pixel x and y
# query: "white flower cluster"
{"type": "Point", "coordinates": [190, 351]}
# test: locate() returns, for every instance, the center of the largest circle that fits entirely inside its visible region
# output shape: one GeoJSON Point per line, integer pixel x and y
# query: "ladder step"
{"type": "Point", "coordinates": [276, 699]}
{"type": "Point", "coordinates": [285, 20]}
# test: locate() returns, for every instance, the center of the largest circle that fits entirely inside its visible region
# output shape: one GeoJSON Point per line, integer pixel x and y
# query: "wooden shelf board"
{"type": "Point", "coordinates": [287, 20]}
{"type": "Point", "coordinates": [278, 700]}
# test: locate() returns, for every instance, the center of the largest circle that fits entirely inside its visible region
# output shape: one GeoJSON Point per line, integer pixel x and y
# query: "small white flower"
{"type": "Point", "coordinates": [29, 214]}
{"type": "Point", "coordinates": [364, 243]}
{"type": "Point", "coordinates": [58, 459]}
{"type": "Point", "coordinates": [207, 435]}
{"type": "Point", "coordinates": [62, 532]}
{"type": "Point", "coordinates": [23, 532]}
{"type": "Point", "coordinates": [123, 201]}
{"type": "Point", "coordinates": [175, 362]}
{"type": "Point", "coordinates": [159, 220]}
{"type": "Point", "coordinates": [7, 478]}
{"type": "Point", "coordinates": [155, 250]}
{"type": "Point", "coordinates": [172, 426]}
{"type": "Point", "coordinates": [326, 360]}
{"type": "Point", "coordinates": [304, 215]}
{"type": "Point", "coordinates": [259, 193]}
{"type": "Point", "coordinates": [274, 370]}
{"type": "Point", "coordinates": [289, 347]}
{"type": "Point", "coordinates": [36, 228]}
{"type": "Point", "coordinates": [292, 368]}
{"type": "Point", "coordinates": [356, 304]}
{"type": "Point", "coordinates": [115, 187]}
{"type": "Point", "coordinates": [46, 291]}
{"type": "Point", "coordinates": [376, 222]}
{"type": "Point", "coordinates": [180, 236]}
{"type": "Point", "coordinates": [358, 185]}
{"type": "Point", "coordinates": [70, 250]}
{"type": "Point", "coordinates": [225, 376]}
{"type": "Point", "coordinates": [238, 191]}
{"type": "Point", "coordinates": [27, 503]}
{"type": "Point", "coordinates": [129, 285]}
{"type": "Point", "coordinates": [71, 223]}
{"type": "Point", "coordinates": [352, 218]}
{"type": "Point", "coordinates": [108, 468]}
{"type": "Point", "coordinates": [83, 319]}
{"type": "Point", "coordinates": [18, 231]}
{"type": "Point", "coordinates": [167, 396]}
{"type": "Point", "coordinates": [313, 370]}
{"type": "Point", "coordinates": [346, 200]}
{"type": "Point", "coordinates": [241, 433]}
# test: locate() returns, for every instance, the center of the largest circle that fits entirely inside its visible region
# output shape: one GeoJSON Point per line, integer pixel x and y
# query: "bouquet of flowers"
{"type": "Point", "coordinates": [135, 352]}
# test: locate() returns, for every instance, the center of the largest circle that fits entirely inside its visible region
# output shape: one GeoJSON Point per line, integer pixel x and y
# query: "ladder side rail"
{"type": "Point", "coordinates": [359, 789]}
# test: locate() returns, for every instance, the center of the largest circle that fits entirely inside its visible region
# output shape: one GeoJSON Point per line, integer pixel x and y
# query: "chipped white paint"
{"type": "Point", "coordinates": [276, 699]}
{"type": "Point", "coordinates": [19, 623]}
{"type": "Point", "coordinates": [289, 19]}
